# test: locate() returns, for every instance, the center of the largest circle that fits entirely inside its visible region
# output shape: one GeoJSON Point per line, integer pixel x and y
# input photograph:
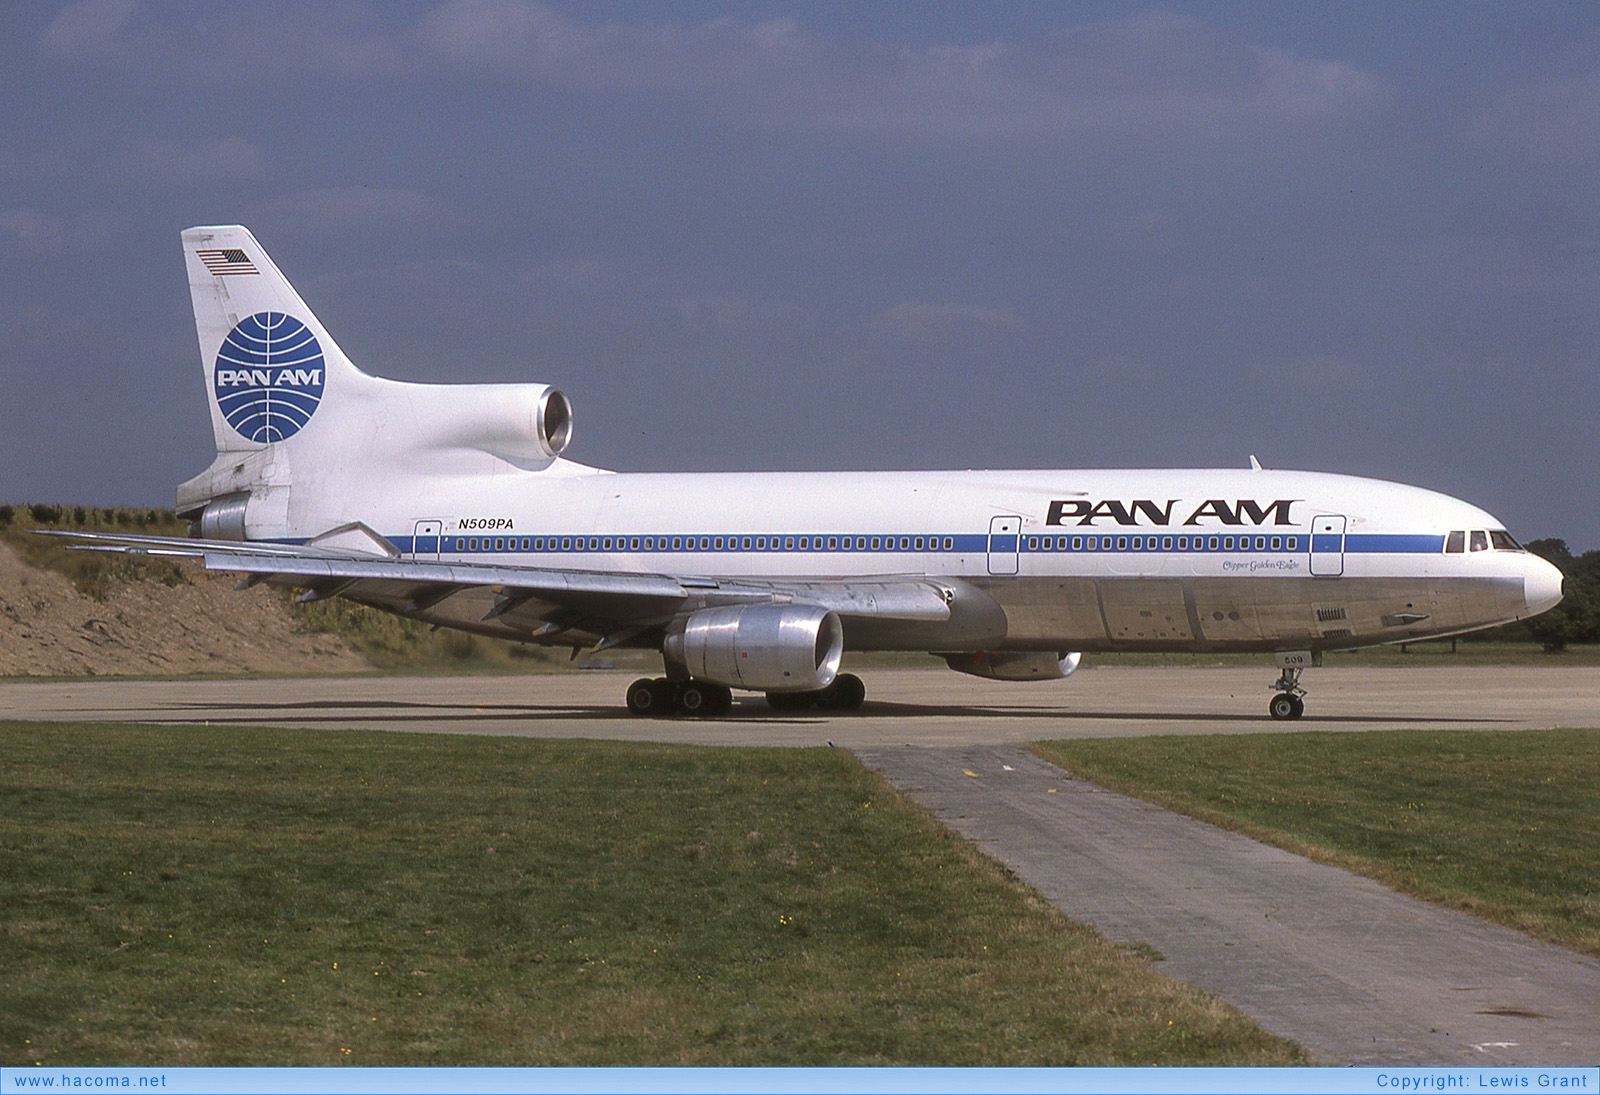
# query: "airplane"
{"type": "Point", "coordinates": [454, 504]}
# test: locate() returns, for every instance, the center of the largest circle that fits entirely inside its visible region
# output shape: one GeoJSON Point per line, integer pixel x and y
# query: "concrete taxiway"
{"type": "Point", "coordinates": [918, 707]}
{"type": "Point", "coordinates": [1354, 972]}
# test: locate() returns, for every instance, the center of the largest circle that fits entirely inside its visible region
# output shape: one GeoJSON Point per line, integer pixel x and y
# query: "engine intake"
{"type": "Point", "coordinates": [1014, 665]}
{"type": "Point", "coordinates": [770, 648]}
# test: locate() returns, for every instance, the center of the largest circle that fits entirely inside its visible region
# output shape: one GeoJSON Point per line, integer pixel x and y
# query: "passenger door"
{"type": "Point", "coordinates": [425, 540]}
{"type": "Point", "coordinates": [1327, 546]}
{"type": "Point", "coordinates": [1005, 541]}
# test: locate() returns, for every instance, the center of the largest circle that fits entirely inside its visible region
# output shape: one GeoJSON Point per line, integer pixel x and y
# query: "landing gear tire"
{"type": "Point", "coordinates": [790, 701]}
{"type": "Point", "coordinates": [846, 693]}
{"type": "Point", "coordinates": [702, 699]}
{"type": "Point", "coordinates": [1289, 702]}
{"type": "Point", "coordinates": [642, 697]}
{"type": "Point", "coordinates": [650, 697]}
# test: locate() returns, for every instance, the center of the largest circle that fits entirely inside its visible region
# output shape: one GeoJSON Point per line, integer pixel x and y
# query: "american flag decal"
{"type": "Point", "coordinates": [227, 260]}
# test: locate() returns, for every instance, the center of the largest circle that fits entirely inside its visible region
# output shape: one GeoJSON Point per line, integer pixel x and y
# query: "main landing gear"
{"type": "Point", "coordinates": [846, 693]}
{"type": "Point", "coordinates": [658, 697]}
{"type": "Point", "coordinates": [1289, 703]}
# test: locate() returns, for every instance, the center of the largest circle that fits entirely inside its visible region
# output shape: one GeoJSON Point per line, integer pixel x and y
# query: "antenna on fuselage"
{"type": "Point", "coordinates": [1255, 465]}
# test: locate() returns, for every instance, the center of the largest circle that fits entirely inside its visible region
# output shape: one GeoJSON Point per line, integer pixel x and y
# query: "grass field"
{"type": "Point", "coordinates": [197, 896]}
{"type": "Point", "coordinates": [1504, 824]}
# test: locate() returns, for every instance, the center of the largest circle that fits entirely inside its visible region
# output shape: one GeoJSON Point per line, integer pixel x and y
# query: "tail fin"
{"type": "Point", "coordinates": [283, 393]}
{"type": "Point", "coordinates": [267, 359]}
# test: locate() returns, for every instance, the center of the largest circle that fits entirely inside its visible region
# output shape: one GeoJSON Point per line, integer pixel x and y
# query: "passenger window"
{"type": "Point", "coordinates": [746, 543]}
{"type": "Point", "coordinates": [876, 543]}
{"type": "Point", "coordinates": [594, 543]}
{"type": "Point", "coordinates": [1122, 543]}
{"type": "Point", "coordinates": [788, 543]}
{"type": "Point", "coordinates": [1261, 543]}
{"type": "Point", "coordinates": [949, 543]}
{"type": "Point", "coordinates": [917, 543]}
{"type": "Point", "coordinates": [1480, 541]}
{"type": "Point", "coordinates": [1033, 543]}
{"type": "Point", "coordinates": [717, 543]}
{"type": "Point", "coordinates": [1077, 543]}
{"type": "Point", "coordinates": [1456, 542]}
{"type": "Point", "coordinates": [1166, 543]}
{"type": "Point", "coordinates": [1292, 542]}
{"type": "Point", "coordinates": [677, 543]}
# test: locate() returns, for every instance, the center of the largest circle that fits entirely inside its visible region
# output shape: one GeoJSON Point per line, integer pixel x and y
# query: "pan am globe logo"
{"type": "Point", "coordinates": [269, 377]}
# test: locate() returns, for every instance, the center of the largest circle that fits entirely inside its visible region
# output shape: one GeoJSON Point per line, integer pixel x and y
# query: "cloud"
{"type": "Point", "coordinates": [86, 28]}
{"type": "Point", "coordinates": [31, 230]}
{"type": "Point", "coordinates": [227, 160]}
{"type": "Point", "coordinates": [1155, 78]}
{"type": "Point", "coordinates": [1171, 72]}
{"type": "Point", "coordinates": [1554, 123]}
{"type": "Point", "coordinates": [343, 210]}
{"type": "Point", "coordinates": [918, 324]}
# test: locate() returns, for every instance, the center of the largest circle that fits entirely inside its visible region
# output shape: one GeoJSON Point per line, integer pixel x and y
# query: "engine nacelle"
{"type": "Point", "coordinates": [515, 421]}
{"type": "Point", "coordinates": [1014, 665]}
{"type": "Point", "coordinates": [770, 648]}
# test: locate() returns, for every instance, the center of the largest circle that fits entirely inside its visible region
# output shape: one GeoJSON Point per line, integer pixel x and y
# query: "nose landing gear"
{"type": "Point", "coordinates": [1289, 703]}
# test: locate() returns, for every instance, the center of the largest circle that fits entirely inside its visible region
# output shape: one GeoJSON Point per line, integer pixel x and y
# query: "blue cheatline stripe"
{"type": "Point", "coordinates": [1392, 543]}
{"type": "Point", "coordinates": [1281, 543]}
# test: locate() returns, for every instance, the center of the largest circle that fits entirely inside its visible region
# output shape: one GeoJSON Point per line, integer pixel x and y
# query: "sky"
{"type": "Point", "coordinates": [1350, 237]}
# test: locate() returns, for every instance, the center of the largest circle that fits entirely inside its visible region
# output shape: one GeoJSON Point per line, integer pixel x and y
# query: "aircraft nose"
{"type": "Point", "coordinates": [1541, 585]}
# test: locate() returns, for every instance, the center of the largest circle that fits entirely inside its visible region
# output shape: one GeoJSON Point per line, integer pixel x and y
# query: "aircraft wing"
{"type": "Point", "coordinates": [537, 601]}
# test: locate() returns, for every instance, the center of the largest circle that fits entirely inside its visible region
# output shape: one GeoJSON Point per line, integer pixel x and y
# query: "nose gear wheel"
{"type": "Point", "coordinates": [1289, 703]}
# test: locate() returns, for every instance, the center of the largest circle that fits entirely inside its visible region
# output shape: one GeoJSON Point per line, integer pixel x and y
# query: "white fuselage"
{"type": "Point", "coordinates": [1076, 560]}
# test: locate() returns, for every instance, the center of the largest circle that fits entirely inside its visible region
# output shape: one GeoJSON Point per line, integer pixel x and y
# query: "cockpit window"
{"type": "Point", "coordinates": [1456, 542]}
{"type": "Point", "coordinates": [1502, 540]}
{"type": "Point", "coordinates": [1480, 540]}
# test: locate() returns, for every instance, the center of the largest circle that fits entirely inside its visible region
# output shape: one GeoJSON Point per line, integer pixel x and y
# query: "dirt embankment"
{"type": "Point", "coordinates": [148, 628]}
